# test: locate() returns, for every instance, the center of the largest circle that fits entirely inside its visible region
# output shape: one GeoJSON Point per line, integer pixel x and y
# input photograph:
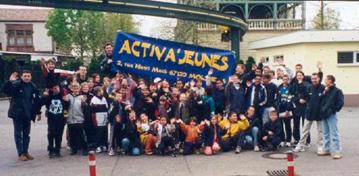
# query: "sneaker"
{"type": "Point", "coordinates": [98, 150]}
{"type": "Point", "coordinates": [104, 149]}
{"type": "Point", "coordinates": [238, 150]}
{"type": "Point", "coordinates": [337, 156]}
{"type": "Point", "coordinates": [288, 144]}
{"type": "Point", "coordinates": [111, 153]}
{"type": "Point", "coordinates": [323, 153]}
{"type": "Point", "coordinates": [28, 156]}
{"type": "Point", "coordinates": [282, 144]}
{"type": "Point", "coordinates": [298, 149]}
{"type": "Point", "coordinates": [308, 145]}
{"type": "Point", "coordinates": [22, 158]}
{"type": "Point", "coordinates": [256, 148]}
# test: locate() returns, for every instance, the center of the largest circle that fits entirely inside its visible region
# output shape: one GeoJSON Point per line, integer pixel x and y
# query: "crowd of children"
{"type": "Point", "coordinates": [117, 114]}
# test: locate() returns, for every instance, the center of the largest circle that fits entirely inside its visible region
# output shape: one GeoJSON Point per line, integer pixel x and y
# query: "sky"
{"type": "Point", "coordinates": [349, 14]}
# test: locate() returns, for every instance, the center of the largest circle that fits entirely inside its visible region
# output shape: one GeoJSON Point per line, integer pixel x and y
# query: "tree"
{"type": "Point", "coordinates": [326, 18]}
{"type": "Point", "coordinates": [85, 32]}
{"type": "Point", "coordinates": [115, 22]}
{"type": "Point", "coordinates": [187, 31]}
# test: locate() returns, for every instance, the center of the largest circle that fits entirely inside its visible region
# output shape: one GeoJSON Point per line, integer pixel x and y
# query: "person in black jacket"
{"type": "Point", "coordinates": [298, 91]}
{"type": "Point", "coordinates": [285, 110]}
{"type": "Point", "coordinates": [130, 142]}
{"type": "Point", "coordinates": [271, 89]}
{"type": "Point", "coordinates": [24, 106]}
{"type": "Point", "coordinates": [55, 105]}
{"type": "Point", "coordinates": [315, 94]}
{"type": "Point", "coordinates": [270, 135]}
{"type": "Point", "coordinates": [211, 136]}
{"type": "Point", "coordinates": [332, 102]}
{"type": "Point", "coordinates": [107, 61]}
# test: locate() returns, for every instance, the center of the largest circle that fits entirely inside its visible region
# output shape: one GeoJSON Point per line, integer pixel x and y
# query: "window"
{"type": "Point", "coordinates": [348, 57]}
{"type": "Point", "coordinates": [19, 37]}
{"type": "Point", "coordinates": [278, 59]}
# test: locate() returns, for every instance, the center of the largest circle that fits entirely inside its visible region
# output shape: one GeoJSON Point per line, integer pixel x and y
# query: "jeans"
{"type": "Point", "coordinates": [126, 147]}
{"type": "Point", "coordinates": [305, 134]}
{"type": "Point", "coordinates": [249, 138]}
{"type": "Point", "coordinates": [189, 147]}
{"type": "Point", "coordinates": [331, 134]}
{"type": "Point", "coordinates": [22, 127]}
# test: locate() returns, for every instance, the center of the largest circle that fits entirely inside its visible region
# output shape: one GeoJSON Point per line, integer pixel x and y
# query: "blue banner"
{"type": "Point", "coordinates": [150, 57]}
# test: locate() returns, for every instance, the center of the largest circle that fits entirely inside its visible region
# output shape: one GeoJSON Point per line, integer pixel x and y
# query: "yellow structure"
{"type": "Point", "coordinates": [337, 50]}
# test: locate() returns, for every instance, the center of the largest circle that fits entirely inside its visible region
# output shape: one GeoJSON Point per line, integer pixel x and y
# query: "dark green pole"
{"type": "Point", "coordinates": [235, 42]}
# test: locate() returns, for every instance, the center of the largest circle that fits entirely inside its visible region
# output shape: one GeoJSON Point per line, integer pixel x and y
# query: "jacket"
{"type": "Point", "coordinates": [76, 114]}
{"type": "Point", "coordinates": [208, 135]}
{"type": "Point", "coordinates": [274, 127]}
{"type": "Point", "coordinates": [256, 96]}
{"type": "Point", "coordinates": [104, 66]}
{"type": "Point", "coordinates": [191, 132]}
{"type": "Point", "coordinates": [232, 129]}
{"type": "Point", "coordinates": [299, 91]}
{"type": "Point", "coordinates": [25, 100]}
{"type": "Point", "coordinates": [236, 94]}
{"type": "Point", "coordinates": [315, 96]}
{"type": "Point", "coordinates": [332, 102]}
{"type": "Point", "coordinates": [271, 89]}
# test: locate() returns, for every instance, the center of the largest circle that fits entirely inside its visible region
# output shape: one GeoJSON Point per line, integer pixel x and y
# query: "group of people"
{"type": "Point", "coordinates": [259, 109]}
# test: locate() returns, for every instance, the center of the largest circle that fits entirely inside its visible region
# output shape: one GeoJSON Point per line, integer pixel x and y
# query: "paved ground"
{"type": "Point", "coordinates": [227, 164]}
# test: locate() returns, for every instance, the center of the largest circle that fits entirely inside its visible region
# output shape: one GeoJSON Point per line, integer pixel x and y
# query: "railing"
{"type": "Point", "coordinates": [262, 24]}
{"type": "Point", "coordinates": [270, 24]}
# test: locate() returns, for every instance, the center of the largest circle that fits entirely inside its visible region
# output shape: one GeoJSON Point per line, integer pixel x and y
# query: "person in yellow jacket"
{"type": "Point", "coordinates": [232, 127]}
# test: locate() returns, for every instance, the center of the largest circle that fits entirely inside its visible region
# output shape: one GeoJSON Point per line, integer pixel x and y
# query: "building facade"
{"type": "Point", "coordinates": [337, 50]}
{"type": "Point", "coordinates": [264, 18]}
{"type": "Point", "coordinates": [23, 30]}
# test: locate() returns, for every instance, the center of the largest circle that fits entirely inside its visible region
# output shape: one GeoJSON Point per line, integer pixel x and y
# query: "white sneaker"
{"type": "Point", "coordinates": [104, 149]}
{"type": "Point", "coordinates": [256, 148]}
{"type": "Point", "coordinates": [282, 144]}
{"type": "Point", "coordinates": [98, 150]}
{"type": "Point", "coordinates": [111, 153]}
{"type": "Point", "coordinates": [308, 145]}
{"type": "Point", "coordinates": [288, 144]}
{"type": "Point", "coordinates": [298, 149]}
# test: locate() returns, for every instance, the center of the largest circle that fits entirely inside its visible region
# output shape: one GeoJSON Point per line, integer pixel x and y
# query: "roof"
{"type": "Point", "coordinates": [307, 37]}
{"type": "Point", "coordinates": [23, 15]}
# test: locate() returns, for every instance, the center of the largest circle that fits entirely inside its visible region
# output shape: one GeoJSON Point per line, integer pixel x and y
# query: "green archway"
{"type": "Point", "coordinates": [153, 8]}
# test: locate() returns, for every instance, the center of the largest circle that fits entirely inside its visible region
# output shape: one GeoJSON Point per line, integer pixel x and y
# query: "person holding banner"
{"type": "Point", "coordinates": [106, 62]}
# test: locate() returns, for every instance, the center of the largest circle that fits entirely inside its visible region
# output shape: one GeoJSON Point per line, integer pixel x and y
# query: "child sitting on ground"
{"type": "Point", "coordinates": [212, 136]}
{"type": "Point", "coordinates": [233, 127]}
{"type": "Point", "coordinates": [146, 135]}
{"type": "Point", "coordinates": [271, 133]}
{"type": "Point", "coordinates": [192, 136]}
{"type": "Point", "coordinates": [165, 135]}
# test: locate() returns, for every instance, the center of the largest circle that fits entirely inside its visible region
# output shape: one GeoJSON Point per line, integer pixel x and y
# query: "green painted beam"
{"type": "Point", "coordinates": [142, 7]}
